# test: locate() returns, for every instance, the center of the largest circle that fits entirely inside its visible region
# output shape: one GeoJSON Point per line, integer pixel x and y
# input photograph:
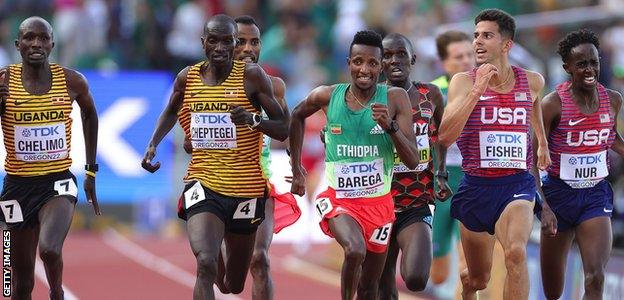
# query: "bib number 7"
{"type": "Point", "coordinates": [12, 211]}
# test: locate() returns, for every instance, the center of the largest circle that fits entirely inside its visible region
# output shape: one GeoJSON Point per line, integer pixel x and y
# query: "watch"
{"type": "Point", "coordinates": [256, 119]}
{"type": "Point", "coordinates": [92, 167]}
{"type": "Point", "coordinates": [442, 174]}
{"type": "Point", "coordinates": [394, 127]}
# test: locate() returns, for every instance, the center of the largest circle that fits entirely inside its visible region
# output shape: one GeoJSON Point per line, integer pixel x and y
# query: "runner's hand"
{"type": "Point", "coordinates": [147, 160]}
{"type": "Point", "coordinates": [543, 158]}
{"type": "Point", "coordinates": [381, 116]}
{"type": "Point", "coordinates": [444, 190]}
{"type": "Point", "coordinates": [89, 188]}
{"type": "Point", "coordinates": [549, 222]}
{"type": "Point", "coordinates": [298, 181]}
{"type": "Point", "coordinates": [482, 77]}
{"type": "Point", "coordinates": [240, 116]}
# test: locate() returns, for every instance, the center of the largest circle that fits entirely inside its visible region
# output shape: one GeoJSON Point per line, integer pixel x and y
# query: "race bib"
{"type": "Point", "coordinates": [34, 143]}
{"type": "Point", "coordinates": [212, 131]}
{"type": "Point", "coordinates": [245, 209]}
{"type": "Point", "coordinates": [323, 206]}
{"type": "Point", "coordinates": [194, 195]}
{"type": "Point", "coordinates": [12, 211]}
{"type": "Point", "coordinates": [381, 235]}
{"type": "Point", "coordinates": [424, 156]}
{"type": "Point", "coordinates": [359, 179]}
{"type": "Point", "coordinates": [503, 149]}
{"type": "Point", "coordinates": [583, 170]}
{"type": "Point", "coordinates": [66, 187]}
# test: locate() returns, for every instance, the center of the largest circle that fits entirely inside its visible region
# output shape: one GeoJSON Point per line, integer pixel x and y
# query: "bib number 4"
{"type": "Point", "coordinates": [245, 209]}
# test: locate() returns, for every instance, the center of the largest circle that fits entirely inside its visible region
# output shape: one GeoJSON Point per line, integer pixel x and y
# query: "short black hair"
{"type": "Point", "coordinates": [368, 38]}
{"type": "Point", "coordinates": [247, 20]}
{"type": "Point", "coordinates": [398, 36]}
{"type": "Point", "coordinates": [448, 37]}
{"type": "Point", "coordinates": [506, 23]}
{"type": "Point", "coordinates": [223, 20]}
{"type": "Point", "coordinates": [575, 38]}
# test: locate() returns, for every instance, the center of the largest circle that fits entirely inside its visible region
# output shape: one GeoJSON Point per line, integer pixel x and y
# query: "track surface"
{"type": "Point", "coordinates": [114, 266]}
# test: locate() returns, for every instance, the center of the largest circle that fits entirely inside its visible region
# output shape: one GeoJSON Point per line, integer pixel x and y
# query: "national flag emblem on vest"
{"type": "Point", "coordinates": [604, 118]}
{"type": "Point", "coordinates": [521, 97]}
{"type": "Point", "coordinates": [426, 113]}
{"type": "Point", "coordinates": [335, 129]}
{"type": "Point", "coordinates": [231, 92]}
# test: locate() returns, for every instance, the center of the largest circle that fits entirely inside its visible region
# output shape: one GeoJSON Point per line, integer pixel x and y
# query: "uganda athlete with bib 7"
{"type": "Point", "coordinates": [492, 110]}
{"type": "Point", "coordinates": [365, 122]}
{"type": "Point", "coordinates": [580, 120]}
{"type": "Point", "coordinates": [224, 198]}
{"type": "Point", "coordinates": [39, 192]}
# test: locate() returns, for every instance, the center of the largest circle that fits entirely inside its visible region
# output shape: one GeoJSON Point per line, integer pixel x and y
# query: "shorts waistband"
{"type": "Point", "coordinates": [562, 184]}
{"type": "Point", "coordinates": [364, 201]}
{"type": "Point", "coordinates": [509, 179]}
{"type": "Point", "coordinates": [38, 179]}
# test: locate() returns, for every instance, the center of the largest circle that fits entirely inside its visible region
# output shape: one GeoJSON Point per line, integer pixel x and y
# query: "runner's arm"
{"type": "Point", "coordinates": [404, 139]}
{"type": "Point", "coordinates": [551, 114]}
{"type": "Point", "coordinates": [440, 150]}
{"type": "Point", "coordinates": [536, 84]}
{"type": "Point", "coordinates": [317, 99]}
{"type": "Point", "coordinates": [444, 190]}
{"type": "Point", "coordinates": [79, 90]}
{"type": "Point", "coordinates": [616, 105]}
{"type": "Point", "coordinates": [259, 88]}
{"type": "Point", "coordinates": [166, 121]}
{"type": "Point", "coordinates": [462, 98]}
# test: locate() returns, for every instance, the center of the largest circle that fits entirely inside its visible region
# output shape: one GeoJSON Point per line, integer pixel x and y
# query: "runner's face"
{"type": "Point", "coordinates": [460, 58]}
{"type": "Point", "coordinates": [488, 43]}
{"type": "Point", "coordinates": [35, 43]}
{"type": "Point", "coordinates": [583, 64]}
{"type": "Point", "coordinates": [364, 66]}
{"type": "Point", "coordinates": [219, 43]}
{"type": "Point", "coordinates": [248, 46]}
{"type": "Point", "coordinates": [397, 60]}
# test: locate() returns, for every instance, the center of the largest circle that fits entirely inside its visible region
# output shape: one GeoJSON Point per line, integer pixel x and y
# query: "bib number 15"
{"type": "Point", "coordinates": [381, 234]}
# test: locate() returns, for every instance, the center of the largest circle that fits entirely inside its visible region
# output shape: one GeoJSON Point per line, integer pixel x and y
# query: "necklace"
{"type": "Point", "coordinates": [356, 98]}
{"type": "Point", "coordinates": [504, 82]}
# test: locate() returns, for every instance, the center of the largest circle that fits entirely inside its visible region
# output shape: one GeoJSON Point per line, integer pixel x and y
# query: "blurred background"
{"type": "Point", "coordinates": [130, 51]}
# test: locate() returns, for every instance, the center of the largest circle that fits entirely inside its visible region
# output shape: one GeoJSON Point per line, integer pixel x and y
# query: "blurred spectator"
{"type": "Point", "coordinates": [183, 41]}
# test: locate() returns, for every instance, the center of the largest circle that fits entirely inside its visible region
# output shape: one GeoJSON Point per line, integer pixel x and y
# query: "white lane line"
{"type": "Point", "coordinates": [318, 273]}
{"type": "Point", "coordinates": [157, 264]}
{"type": "Point", "coordinates": [41, 275]}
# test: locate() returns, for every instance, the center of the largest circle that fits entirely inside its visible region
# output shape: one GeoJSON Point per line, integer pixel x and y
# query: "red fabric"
{"type": "Point", "coordinates": [370, 213]}
{"type": "Point", "coordinates": [286, 211]}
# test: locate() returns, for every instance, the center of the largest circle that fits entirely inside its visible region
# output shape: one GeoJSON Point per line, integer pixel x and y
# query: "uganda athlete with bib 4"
{"type": "Point", "coordinates": [412, 189]}
{"type": "Point", "coordinates": [365, 121]}
{"type": "Point", "coordinates": [492, 110]}
{"type": "Point", "coordinates": [219, 102]}
{"type": "Point", "coordinates": [580, 122]}
{"type": "Point", "coordinates": [40, 193]}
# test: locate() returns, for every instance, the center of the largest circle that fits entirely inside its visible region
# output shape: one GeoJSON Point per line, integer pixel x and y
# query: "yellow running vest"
{"type": "Point", "coordinates": [37, 128]}
{"type": "Point", "coordinates": [226, 157]}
